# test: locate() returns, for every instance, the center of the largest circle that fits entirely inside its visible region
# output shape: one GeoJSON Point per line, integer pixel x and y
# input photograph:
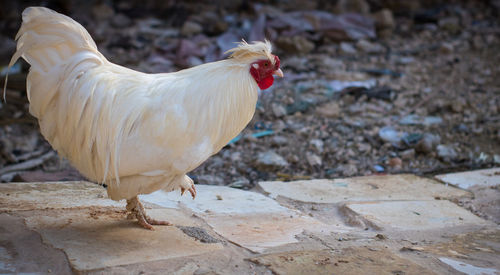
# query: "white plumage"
{"type": "Point", "coordinates": [136, 132]}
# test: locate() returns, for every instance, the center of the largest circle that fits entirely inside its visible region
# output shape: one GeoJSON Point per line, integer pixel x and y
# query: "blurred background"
{"type": "Point", "coordinates": [370, 87]}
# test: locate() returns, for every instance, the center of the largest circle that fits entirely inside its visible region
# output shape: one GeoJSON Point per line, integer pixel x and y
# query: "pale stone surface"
{"type": "Point", "coordinates": [479, 249]}
{"type": "Point", "coordinates": [59, 226]}
{"type": "Point", "coordinates": [217, 199]}
{"type": "Point", "coordinates": [369, 188]}
{"type": "Point", "coordinates": [30, 196]}
{"type": "Point", "coordinates": [468, 268]}
{"type": "Point", "coordinates": [362, 260]}
{"type": "Point", "coordinates": [465, 180]}
{"type": "Point", "coordinates": [249, 219]}
{"type": "Point", "coordinates": [258, 232]}
{"type": "Point", "coordinates": [108, 239]}
{"type": "Point", "coordinates": [415, 215]}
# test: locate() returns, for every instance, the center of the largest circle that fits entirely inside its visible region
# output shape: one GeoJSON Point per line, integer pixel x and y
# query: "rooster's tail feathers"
{"type": "Point", "coordinates": [51, 42]}
{"type": "Point", "coordinates": [47, 37]}
{"type": "Point", "coordinates": [61, 91]}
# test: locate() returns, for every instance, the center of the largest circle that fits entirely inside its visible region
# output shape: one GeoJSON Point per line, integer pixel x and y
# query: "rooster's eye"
{"type": "Point", "coordinates": [266, 64]}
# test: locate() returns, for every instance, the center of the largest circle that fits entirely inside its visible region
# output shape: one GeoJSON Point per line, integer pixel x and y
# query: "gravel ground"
{"type": "Point", "coordinates": [399, 88]}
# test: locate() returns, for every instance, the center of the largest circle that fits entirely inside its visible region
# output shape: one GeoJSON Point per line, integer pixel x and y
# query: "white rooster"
{"type": "Point", "coordinates": [136, 132]}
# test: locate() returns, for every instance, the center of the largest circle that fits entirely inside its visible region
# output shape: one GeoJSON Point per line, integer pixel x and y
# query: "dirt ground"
{"type": "Point", "coordinates": [396, 87]}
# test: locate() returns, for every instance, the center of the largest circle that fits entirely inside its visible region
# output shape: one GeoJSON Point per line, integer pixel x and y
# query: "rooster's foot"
{"type": "Point", "coordinates": [191, 190]}
{"type": "Point", "coordinates": [134, 206]}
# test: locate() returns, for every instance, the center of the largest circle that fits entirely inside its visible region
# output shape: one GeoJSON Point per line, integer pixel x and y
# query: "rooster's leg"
{"type": "Point", "coordinates": [134, 206]}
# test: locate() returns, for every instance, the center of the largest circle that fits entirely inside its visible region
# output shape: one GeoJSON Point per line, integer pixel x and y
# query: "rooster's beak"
{"type": "Point", "coordinates": [278, 72]}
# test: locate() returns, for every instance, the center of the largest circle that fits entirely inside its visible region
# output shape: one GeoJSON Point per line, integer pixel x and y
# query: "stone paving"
{"type": "Point", "coordinates": [387, 224]}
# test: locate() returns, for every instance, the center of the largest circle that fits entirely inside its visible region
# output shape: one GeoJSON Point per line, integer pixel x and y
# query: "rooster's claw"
{"type": "Point", "coordinates": [191, 190]}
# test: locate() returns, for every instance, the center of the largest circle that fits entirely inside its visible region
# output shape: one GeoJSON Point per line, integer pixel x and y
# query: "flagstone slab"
{"type": "Point", "coordinates": [465, 180]}
{"type": "Point", "coordinates": [480, 249]}
{"type": "Point", "coordinates": [23, 252]}
{"type": "Point", "coordinates": [47, 195]}
{"type": "Point", "coordinates": [107, 239]}
{"type": "Point", "coordinates": [368, 188]}
{"type": "Point", "coordinates": [415, 215]}
{"type": "Point", "coordinates": [360, 260]}
{"type": "Point", "coordinates": [249, 219]}
{"type": "Point", "coordinates": [258, 232]}
{"type": "Point", "coordinates": [468, 268]}
{"type": "Point", "coordinates": [217, 199]}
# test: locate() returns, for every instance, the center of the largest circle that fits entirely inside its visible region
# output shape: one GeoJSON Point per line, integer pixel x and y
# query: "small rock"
{"type": "Point", "coordinates": [278, 110]}
{"type": "Point", "coordinates": [427, 143]}
{"type": "Point", "coordinates": [121, 21]}
{"type": "Point", "coordinates": [102, 11]}
{"type": "Point", "coordinates": [226, 40]}
{"type": "Point", "coordinates": [420, 120]}
{"type": "Point", "coordinates": [369, 47]}
{"type": "Point", "coordinates": [213, 23]}
{"type": "Point", "coordinates": [318, 144]}
{"type": "Point", "coordinates": [313, 159]}
{"type": "Point", "coordinates": [330, 110]}
{"type": "Point", "coordinates": [347, 170]}
{"type": "Point", "coordinates": [446, 152]}
{"type": "Point", "coordinates": [279, 140]}
{"type": "Point", "coordinates": [298, 63]}
{"type": "Point", "coordinates": [346, 48]}
{"type": "Point", "coordinates": [395, 162]}
{"type": "Point", "coordinates": [235, 156]}
{"type": "Point", "coordinates": [408, 154]}
{"type": "Point", "coordinates": [193, 61]}
{"type": "Point", "coordinates": [241, 183]}
{"type": "Point", "coordinates": [413, 248]}
{"type": "Point", "coordinates": [384, 19]}
{"type": "Point", "coordinates": [378, 168]}
{"type": "Point", "coordinates": [463, 128]}
{"type": "Point", "coordinates": [364, 147]}
{"type": "Point", "coordinates": [458, 105]}
{"type": "Point", "coordinates": [292, 158]}
{"type": "Point", "coordinates": [191, 28]}
{"type": "Point", "coordinates": [450, 24]}
{"type": "Point", "coordinates": [496, 159]}
{"type": "Point", "coordinates": [478, 130]}
{"type": "Point", "coordinates": [412, 139]}
{"type": "Point", "coordinates": [477, 42]}
{"type": "Point", "coordinates": [270, 161]}
{"type": "Point", "coordinates": [295, 44]}
{"type": "Point", "coordinates": [483, 157]}
{"type": "Point", "coordinates": [389, 134]}
{"type": "Point", "coordinates": [210, 180]}
{"type": "Point", "coordinates": [446, 48]}
{"type": "Point", "coordinates": [384, 33]}
{"type": "Point", "coordinates": [405, 60]}
{"type": "Point", "coordinates": [332, 64]}
{"type": "Point", "coordinates": [352, 6]}
{"type": "Point", "coordinates": [157, 63]}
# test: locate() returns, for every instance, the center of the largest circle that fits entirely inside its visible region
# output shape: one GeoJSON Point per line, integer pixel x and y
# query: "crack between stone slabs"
{"type": "Point", "coordinates": [44, 243]}
{"type": "Point", "coordinates": [318, 239]}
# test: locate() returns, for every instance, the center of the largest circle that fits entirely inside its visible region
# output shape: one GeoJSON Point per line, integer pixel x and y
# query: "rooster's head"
{"type": "Point", "coordinates": [262, 64]}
